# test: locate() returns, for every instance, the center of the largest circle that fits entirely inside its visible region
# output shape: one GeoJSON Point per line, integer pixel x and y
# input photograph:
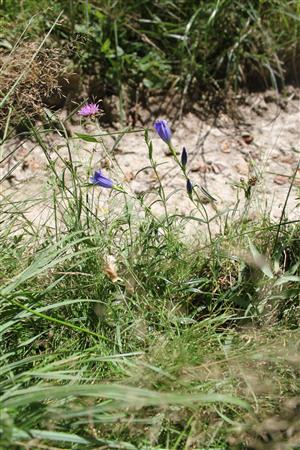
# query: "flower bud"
{"type": "Point", "coordinates": [163, 130]}
{"type": "Point", "coordinates": [184, 157]}
{"type": "Point", "coordinates": [189, 187]}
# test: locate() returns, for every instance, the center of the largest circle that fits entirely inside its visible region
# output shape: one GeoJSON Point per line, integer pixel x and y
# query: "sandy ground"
{"type": "Point", "coordinates": [263, 142]}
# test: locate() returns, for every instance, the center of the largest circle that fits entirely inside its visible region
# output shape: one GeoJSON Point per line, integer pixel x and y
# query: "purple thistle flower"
{"type": "Point", "coordinates": [184, 157]}
{"type": "Point", "coordinates": [163, 130]}
{"type": "Point", "coordinates": [100, 180]}
{"type": "Point", "coordinates": [91, 109]}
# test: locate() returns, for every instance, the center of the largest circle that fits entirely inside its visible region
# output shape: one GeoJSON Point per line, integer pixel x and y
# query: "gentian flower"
{"type": "Point", "coordinates": [189, 187]}
{"type": "Point", "coordinates": [100, 180]}
{"type": "Point", "coordinates": [163, 130]}
{"type": "Point", "coordinates": [184, 157]}
{"type": "Point", "coordinates": [91, 109]}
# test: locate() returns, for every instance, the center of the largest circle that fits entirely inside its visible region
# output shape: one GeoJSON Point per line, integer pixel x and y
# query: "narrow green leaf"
{"type": "Point", "coordinates": [49, 435]}
{"type": "Point", "coordinates": [287, 279]}
{"type": "Point", "coordinates": [131, 396]}
{"type": "Point", "coordinates": [86, 137]}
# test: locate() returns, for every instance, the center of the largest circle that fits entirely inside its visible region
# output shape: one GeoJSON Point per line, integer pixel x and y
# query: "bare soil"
{"type": "Point", "coordinates": [259, 141]}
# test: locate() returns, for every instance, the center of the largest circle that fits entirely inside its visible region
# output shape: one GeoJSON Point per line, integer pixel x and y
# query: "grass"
{"type": "Point", "coordinates": [129, 48]}
{"type": "Point", "coordinates": [116, 330]}
{"type": "Point", "coordinates": [117, 333]}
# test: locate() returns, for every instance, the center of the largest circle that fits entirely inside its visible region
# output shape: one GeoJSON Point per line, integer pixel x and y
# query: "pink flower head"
{"type": "Point", "coordinates": [91, 109]}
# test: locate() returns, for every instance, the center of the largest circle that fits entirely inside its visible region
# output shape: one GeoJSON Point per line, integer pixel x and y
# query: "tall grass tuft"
{"type": "Point", "coordinates": [189, 45]}
{"type": "Point", "coordinates": [118, 332]}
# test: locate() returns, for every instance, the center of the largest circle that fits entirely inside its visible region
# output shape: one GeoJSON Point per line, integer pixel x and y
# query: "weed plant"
{"type": "Point", "coordinates": [117, 333]}
{"type": "Point", "coordinates": [187, 44]}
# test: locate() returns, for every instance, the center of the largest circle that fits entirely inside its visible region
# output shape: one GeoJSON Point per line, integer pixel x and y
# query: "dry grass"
{"type": "Point", "coordinates": [38, 81]}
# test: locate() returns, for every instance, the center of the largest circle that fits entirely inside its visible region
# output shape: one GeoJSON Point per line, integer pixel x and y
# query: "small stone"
{"type": "Point", "coordinates": [105, 163]}
{"type": "Point", "coordinates": [225, 147]}
{"type": "Point", "coordinates": [201, 167]}
{"type": "Point", "coordinates": [247, 138]}
{"type": "Point", "coordinates": [242, 168]}
{"type": "Point", "coordinates": [288, 159]}
{"type": "Point", "coordinates": [129, 176]}
{"type": "Point", "coordinates": [31, 163]}
{"type": "Point", "coordinates": [280, 180]}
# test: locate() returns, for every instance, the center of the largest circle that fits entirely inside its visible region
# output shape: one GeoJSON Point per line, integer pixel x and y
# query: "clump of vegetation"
{"type": "Point", "coordinates": [190, 45]}
{"type": "Point", "coordinates": [27, 77]}
{"type": "Point", "coordinates": [118, 333]}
